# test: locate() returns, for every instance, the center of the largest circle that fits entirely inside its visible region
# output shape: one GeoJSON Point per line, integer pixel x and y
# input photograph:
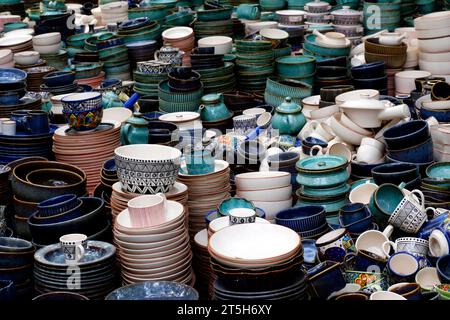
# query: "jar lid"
{"type": "Point", "coordinates": [346, 11]}
{"type": "Point", "coordinates": [180, 117]}
{"type": "Point", "coordinates": [317, 164]}
{"type": "Point", "coordinates": [317, 3]}
{"type": "Point", "coordinates": [288, 106]}
{"type": "Point", "coordinates": [211, 98]}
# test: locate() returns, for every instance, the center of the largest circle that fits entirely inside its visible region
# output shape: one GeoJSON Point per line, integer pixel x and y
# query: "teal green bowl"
{"type": "Point", "coordinates": [261, 55]}
{"type": "Point", "coordinates": [10, 26]}
{"type": "Point", "coordinates": [166, 3]}
{"type": "Point", "coordinates": [3, 2]}
{"type": "Point", "coordinates": [118, 69]}
{"type": "Point", "coordinates": [323, 180]}
{"type": "Point", "coordinates": [166, 106]}
{"type": "Point", "coordinates": [87, 70]}
{"type": "Point", "coordinates": [150, 35]}
{"type": "Point", "coordinates": [149, 78]}
{"type": "Point", "coordinates": [78, 40]}
{"type": "Point", "coordinates": [329, 205]}
{"type": "Point", "coordinates": [214, 14]}
{"type": "Point", "coordinates": [157, 12]}
{"type": "Point", "coordinates": [227, 205]}
{"type": "Point", "coordinates": [387, 197]}
{"type": "Point", "coordinates": [310, 45]}
{"type": "Point", "coordinates": [291, 88]}
{"type": "Point", "coordinates": [282, 52]}
{"type": "Point", "coordinates": [340, 190]}
{"type": "Point", "coordinates": [295, 66]}
{"type": "Point", "coordinates": [72, 51]}
{"type": "Point", "coordinates": [112, 51]}
{"type": "Point", "coordinates": [116, 61]}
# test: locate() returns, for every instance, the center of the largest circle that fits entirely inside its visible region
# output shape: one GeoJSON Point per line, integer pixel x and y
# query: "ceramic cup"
{"type": "Point", "coordinates": [427, 278]}
{"type": "Point", "coordinates": [322, 131]}
{"type": "Point", "coordinates": [325, 278]}
{"type": "Point", "coordinates": [363, 193]}
{"type": "Point", "coordinates": [9, 128]}
{"type": "Point", "coordinates": [334, 245]}
{"type": "Point", "coordinates": [410, 291]}
{"type": "Point", "coordinates": [415, 246]}
{"type": "Point", "coordinates": [244, 123]}
{"type": "Point", "coordinates": [386, 295]}
{"type": "Point", "coordinates": [340, 149]}
{"type": "Point", "coordinates": [147, 210]}
{"type": "Point", "coordinates": [199, 162]}
{"type": "Point", "coordinates": [409, 215]}
{"type": "Point", "coordinates": [35, 122]}
{"type": "Point", "coordinates": [368, 154]}
{"type": "Point", "coordinates": [438, 243]}
{"type": "Point", "coordinates": [373, 240]}
{"type": "Point", "coordinates": [74, 247]}
{"type": "Point", "coordinates": [402, 267]}
{"type": "Point", "coordinates": [242, 215]}
{"type": "Point", "coordinates": [1, 122]}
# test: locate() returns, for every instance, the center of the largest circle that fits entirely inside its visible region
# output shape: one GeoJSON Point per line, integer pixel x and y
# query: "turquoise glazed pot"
{"type": "Point", "coordinates": [226, 206]}
{"type": "Point", "coordinates": [339, 190]}
{"type": "Point", "coordinates": [213, 108]}
{"type": "Point", "coordinates": [310, 45]}
{"type": "Point", "coordinates": [323, 180]}
{"type": "Point", "coordinates": [199, 162]}
{"type": "Point", "coordinates": [322, 171]}
{"type": "Point", "coordinates": [135, 130]}
{"type": "Point", "coordinates": [295, 66]}
{"type": "Point", "coordinates": [288, 118]}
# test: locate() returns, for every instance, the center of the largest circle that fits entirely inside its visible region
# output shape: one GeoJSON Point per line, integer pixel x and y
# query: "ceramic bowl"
{"type": "Point", "coordinates": [275, 194]}
{"type": "Point", "coordinates": [154, 290]}
{"type": "Point", "coordinates": [443, 268]}
{"type": "Point", "coordinates": [26, 57]}
{"type": "Point", "coordinates": [262, 180]}
{"type": "Point", "coordinates": [406, 134]}
{"type": "Point", "coordinates": [302, 219]}
{"type": "Point", "coordinates": [14, 245]}
{"type": "Point", "coordinates": [226, 206]}
{"type": "Point", "coordinates": [57, 205]}
{"type": "Point", "coordinates": [47, 39]}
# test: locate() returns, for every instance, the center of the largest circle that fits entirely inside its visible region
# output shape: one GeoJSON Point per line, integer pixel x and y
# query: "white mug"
{"type": "Point", "coordinates": [363, 193]}
{"type": "Point", "coordinates": [438, 244]}
{"type": "Point", "coordinates": [74, 247]}
{"type": "Point", "coordinates": [9, 128]}
{"type": "Point", "coordinates": [373, 240]}
{"type": "Point", "coordinates": [368, 154]}
{"type": "Point", "coordinates": [1, 123]}
{"type": "Point", "coordinates": [340, 149]}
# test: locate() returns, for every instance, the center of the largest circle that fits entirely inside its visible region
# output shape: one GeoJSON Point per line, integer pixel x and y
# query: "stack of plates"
{"type": "Point", "coordinates": [257, 261]}
{"type": "Point", "coordinates": [206, 191]}
{"type": "Point", "coordinates": [146, 84]}
{"type": "Point", "coordinates": [213, 28]}
{"type": "Point", "coordinates": [87, 150]}
{"type": "Point", "coordinates": [35, 77]}
{"type": "Point", "coordinates": [157, 253]}
{"type": "Point", "coordinates": [31, 101]}
{"type": "Point", "coordinates": [17, 44]}
{"type": "Point", "coordinates": [23, 145]}
{"type": "Point", "coordinates": [170, 101]}
{"type": "Point", "coordinates": [120, 197]}
{"type": "Point", "coordinates": [202, 263]}
{"type": "Point", "coordinates": [93, 81]}
{"type": "Point", "coordinates": [141, 51]}
{"type": "Point", "coordinates": [217, 80]}
{"type": "Point", "coordinates": [97, 272]}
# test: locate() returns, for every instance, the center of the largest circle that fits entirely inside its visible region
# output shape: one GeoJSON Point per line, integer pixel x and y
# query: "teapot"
{"type": "Point", "coordinates": [213, 108]}
{"type": "Point", "coordinates": [135, 130]}
{"type": "Point", "coordinates": [391, 38]}
{"type": "Point", "coordinates": [288, 118]}
{"type": "Point", "coordinates": [170, 55]}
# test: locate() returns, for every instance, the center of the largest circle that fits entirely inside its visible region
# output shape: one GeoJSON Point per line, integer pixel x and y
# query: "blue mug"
{"type": "Point", "coordinates": [325, 278]}
{"type": "Point", "coordinates": [402, 267]}
{"type": "Point", "coordinates": [31, 121]}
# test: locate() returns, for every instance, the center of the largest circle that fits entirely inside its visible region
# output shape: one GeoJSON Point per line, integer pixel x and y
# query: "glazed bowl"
{"type": "Point", "coordinates": [406, 134]}
{"type": "Point", "coordinates": [369, 70]}
{"type": "Point", "coordinates": [59, 78]}
{"type": "Point", "coordinates": [395, 173]}
{"type": "Point", "coordinates": [154, 290]}
{"type": "Point", "coordinates": [57, 205]}
{"type": "Point", "coordinates": [443, 268]}
{"type": "Point", "coordinates": [302, 219]}
{"type": "Point", "coordinates": [221, 44]}
{"type": "Point", "coordinates": [14, 245]}
{"type": "Point", "coordinates": [262, 180]}
{"type": "Point", "coordinates": [227, 205]}
{"type": "Point", "coordinates": [26, 57]}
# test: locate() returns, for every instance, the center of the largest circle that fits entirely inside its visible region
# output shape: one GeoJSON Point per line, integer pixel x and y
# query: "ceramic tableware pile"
{"type": "Point", "coordinates": [87, 149]}
{"type": "Point", "coordinates": [59, 82]}
{"type": "Point", "coordinates": [214, 22]}
{"type": "Point", "coordinates": [435, 186]}
{"type": "Point", "coordinates": [84, 215]}
{"type": "Point", "coordinates": [317, 12]}
{"type": "Point", "coordinates": [393, 52]}
{"type": "Point", "coordinates": [148, 75]}
{"type": "Point", "coordinates": [371, 76]}
{"type": "Point", "coordinates": [57, 60]}
{"type": "Point", "coordinates": [28, 193]}
{"type": "Point", "coordinates": [244, 272]}
{"type": "Point", "coordinates": [300, 68]}
{"type": "Point", "coordinates": [154, 290]}
{"type": "Point", "coordinates": [173, 101]}
{"type": "Point", "coordinates": [113, 54]}
{"type": "Point", "coordinates": [204, 198]}
{"type": "Point", "coordinates": [324, 182]}
{"type": "Point", "coordinates": [278, 88]}
{"type": "Point", "coordinates": [269, 190]}
{"type": "Point", "coordinates": [157, 248]}
{"type": "Point", "coordinates": [389, 16]}
{"type": "Point", "coordinates": [47, 43]}
{"type": "Point", "coordinates": [141, 51]}
{"type": "Point", "coordinates": [97, 270]}
{"type": "Point", "coordinates": [88, 73]}
{"type": "Point", "coordinates": [150, 30]}
{"type": "Point", "coordinates": [333, 45]}
{"type": "Point", "coordinates": [12, 86]}
{"type": "Point", "coordinates": [17, 266]}
{"type": "Point", "coordinates": [218, 79]}
{"type": "Point", "coordinates": [348, 21]}
{"type": "Point", "coordinates": [108, 177]}
{"type": "Point", "coordinates": [17, 44]}
{"type": "Point", "coordinates": [201, 263]}
{"type": "Point", "coordinates": [35, 77]}
{"type": "Point", "coordinates": [5, 187]}
{"type": "Point", "coordinates": [181, 38]}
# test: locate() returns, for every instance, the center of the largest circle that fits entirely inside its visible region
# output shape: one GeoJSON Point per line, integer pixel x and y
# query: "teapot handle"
{"type": "Point", "coordinates": [124, 133]}
{"type": "Point", "coordinates": [420, 194]}
{"type": "Point", "coordinates": [320, 35]}
{"type": "Point", "coordinates": [315, 147]}
{"type": "Point", "coordinates": [156, 55]}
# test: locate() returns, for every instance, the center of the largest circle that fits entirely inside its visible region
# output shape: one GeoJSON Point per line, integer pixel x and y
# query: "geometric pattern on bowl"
{"type": "Point", "coordinates": [84, 120]}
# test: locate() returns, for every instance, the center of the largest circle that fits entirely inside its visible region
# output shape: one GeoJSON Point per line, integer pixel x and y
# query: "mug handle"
{"type": "Point", "coordinates": [422, 197]}
{"type": "Point", "coordinates": [156, 55]}
{"type": "Point", "coordinates": [387, 246]}
{"type": "Point", "coordinates": [81, 250]}
{"type": "Point", "coordinates": [315, 147]}
{"type": "Point", "coordinates": [162, 195]}
{"type": "Point", "coordinates": [314, 124]}
{"type": "Point", "coordinates": [388, 231]}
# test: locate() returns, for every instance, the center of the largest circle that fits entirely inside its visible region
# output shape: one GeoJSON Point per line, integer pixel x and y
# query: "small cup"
{"type": "Point", "coordinates": [147, 210]}
{"type": "Point", "coordinates": [9, 128]}
{"type": "Point", "coordinates": [368, 154]}
{"type": "Point", "coordinates": [242, 215]}
{"type": "Point", "coordinates": [402, 267]}
{"type": "Point", "coordinates": [199, 162]}
{"type": "Point", "coordinates": [1, 122]}
{"type": "Point", "coordinates": [74, 247]}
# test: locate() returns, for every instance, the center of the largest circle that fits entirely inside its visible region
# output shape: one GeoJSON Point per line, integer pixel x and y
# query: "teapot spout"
{"type": "Point", "coordinates": [397, 112]}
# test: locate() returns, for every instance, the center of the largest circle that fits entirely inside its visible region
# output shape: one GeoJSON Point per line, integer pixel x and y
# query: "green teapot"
{"type": "Point", "coordinates": [213, 108]}
{"type": "Point", "coordinates": [135, 130]}
{"type": "Point", "coordinates": [288, 118]}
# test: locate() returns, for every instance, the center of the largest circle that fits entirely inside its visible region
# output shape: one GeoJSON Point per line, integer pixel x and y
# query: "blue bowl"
{"type": "Point", "coordinates": [11, 97]}
{"type": "Point", "coordinates": [356, 226]}
{"type": "Point", "coordinates": [14, 245]}
{"type": "Point", "coordinates": [109, 167]}
{"type": "Point", "coordinates": [395, 173]}
{"type": "Point", "coordinates": [379, 83]}
{"type": "Point", "coordinates": [362, 169]}
{"type": "Point", "coordinates": [301, 219]}
{"type": "Point", "coordinates": [57, 205]}
{"type": "Point", "coordinates": [214, 214]}
{"type": "Point", "coordinates": [407, 134]}
{"type": "Point", "coordinates": [369, 70]}
{"type": "Point", "coordinates": [11, 75]}
{"type": "Point", "coordinates": [440, 115]}
{"type": "Point", "coordinates": [226, 205]}
{"type": "Point", "coordinates": [59, 78]}
{"type": "Point", "coordinates": [154, 290]}
{"type": "Point", "coordinates": [422, 152]}
{"type": "Point", "coordinates": [70, 214]}
{"type": "Point", "coordinates": [352, 212]}
{"type": "Point", "coordinates": [443, 268]}
{"type": "Point", "coordinates": [16, 259]}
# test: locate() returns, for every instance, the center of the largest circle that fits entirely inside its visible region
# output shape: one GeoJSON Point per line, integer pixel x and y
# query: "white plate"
{"type": "Point", "coordinates": [149, 245]}
{"type": "Point", "coordinates": [253, 242]}
{"type": "Point", "coordinates": [161, 247]}
{"type": "Point", "coordinates": [14, 41]}
{"type": "Point", "coordinates": [140, 258]}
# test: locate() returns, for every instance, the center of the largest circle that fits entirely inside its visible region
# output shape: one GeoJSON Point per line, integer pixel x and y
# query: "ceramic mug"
{"type": "Point", "coordinates": [9, 128]}
{"type": "Point", "coordinates": [365, 261]}
{"type": "Point", "coordinates": [402, 267]}
{"type": "Point", "coordinates": [438, 242]}
{"type": "Point", "coordinates": [325, 278]}
{"type": "Point", "coordinates": [368, 154]}
{"type": "Point", "coordinates": [322, 131]}
{"type": "Point", "coordinates": [147, 210]}
{"type": "Point", "coordinates": [199, 162]}
{"type": "Point", "coordinates": [74, 247]}
{"type": "Point", "coordinates": [35, 122]}
{"type": "Point", "coordinates": [410, 291]}
{"type": "Point", "coordinates": [363, 193]}
{"type": "Point", "coordinates": [415, 246]}
{"type": "Point", "coordinates": [373, 240]}
{"type": "Point", "coordinates": [1, 121]}
{"type": "Point", "coordinates": [242, 215]}
{"type": "Point", "coordinates": [409, 215]}
{"type": "Point", "coordinates": [334, 245]}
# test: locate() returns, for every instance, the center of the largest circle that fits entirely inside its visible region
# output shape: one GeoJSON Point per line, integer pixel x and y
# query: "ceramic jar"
{"type": "Point", "coordinates": [322, 171]}
{"type": "Point", "coordinates": [171, 55]}
{"type": "Point", "coordinates": [135, 130]}
{"type": "Point", "coordinates": [213, 108]}
{"type": "Point", "coordinates": [346, 16]}
{"type": "Point", "coordinates": [288, 118]}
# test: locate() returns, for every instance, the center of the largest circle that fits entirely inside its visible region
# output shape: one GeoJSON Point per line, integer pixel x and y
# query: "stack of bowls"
{"type": "Point", "coordinates": [348, 22]}
{"type": "Point", "coordinates": [301, 68]}
{"type": "Point", "coordinates": [154, 12]}
{"type": "Point", "coordinates": [47, 43]}
{"type": "Point", "coordinates": [247, 273]}
{"type": "Point", "coordinates": [324, 182]}
{"type": "Point", "coordinates": [12, 86]}
{"type": "Point", "coordinates": [148, 75]}
{"type": "Point", "coordinates": [141, 51]}
{"type": "Point", "coordinates": [108, 175]}
{"type": "Point", "coordinates": [405, 81]}
{"type": "Point", "coordinates": [318, 12]}
{"type": "Point", "coordinates": [27, 194]}
{"type": "Point", "coordinates": [370, 76]}
{"type": "Point", "coordinates": [113, 12]}
{"type": "Point", "coordinates": [27, 59]}
{"type": "Point", "coordinates": [88, 151]}
{"type": "Point", "coordinates": [320, 52]}
{"type": "Point", "coordinates": [6, 58]}
{"type": "Point", "coordinates": [214, 22]}
{"type": "Point", "coordinates": [436, 185]}
{"type": "Point", "coordinates": [87, 217]}
{"type": "Point", "coordinates": [201, 263]}
{"type": "Point", "coordinates": [293, 22]}
{"type": "Point", "coordinates": [114, 55]}
{"type": "Point", "coordinates": [173, 101]}
{"type": "Point", "coordinates": [389, 15]}
{"type": "Point", "coordinates": [16, 265]}
{"type": "Point", "coordinates": [328, 94]}
{"type": "Point", "coordinates": [396, 173]}
{"type": "Point", "coordinates": [154, 290]}
{"type": "Point", "coordinates": [17, 44]}
{"type": "Point", "coordinates": [218, 79]}
{"type": "Point", "coordinates": [57, 60]}
{"type": "Point", "coordinates": [269, 190]}
{"type": "Point", "coordinates": [393, 56]}
{"type": "Point", "coordinates": [5, 187]}
{"type": "Point", "coordinates": [181, 38]}
{"type": "Point", "coordinates": [160, 251]}
{"type": "Point", "coordinates": [205, 58]}
{"type": "Point", "coordinates": [133, 32]}
{"type": "Point", "coordinates": [432, 31]}
{"type": "Point", "coordinates": [254, 64]}
{"type": "Point", "coordinates": [410, 142]}
{"type": "Point", "coordinates": [97, 270]}
{"type": "Point", "coordinates": [277, 89]}
{"type": "Point", "coordinates": [59, 82]}
{"type": "Point", "coordinates": [35, 77]}
{"type": "Point", "coordinates": [206, 192]}
{"type": "Point", "coordinates": [308, 221]}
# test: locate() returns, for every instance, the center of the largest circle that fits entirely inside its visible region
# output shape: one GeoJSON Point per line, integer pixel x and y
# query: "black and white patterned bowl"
{"type": "Point", "coordinates": [147, 168]}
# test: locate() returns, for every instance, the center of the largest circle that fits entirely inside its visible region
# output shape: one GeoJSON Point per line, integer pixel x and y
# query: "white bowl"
{"type": "Point", "coordinates": [262, 180]}
{"type": "Point", "coordinates": [256, 26]}
{"type": "Point", "coordinates": [433, 33]}
{"type": "Point", "coordinates": [386, 295]}
{"type": "Point", "coordinates": [427, 278]}
{"type": "Point", "coordinates": [47, 39]}
{"type": "Point", "coordinates": [274, 34]}
{"type": "Point", "coordinates": [435, 45]}
{"type": "Point", "coordinates": [176, 33]}
{"type": "Point", "coordinates": [19, 32]}
{"type": "Point", "coordinates": [115, 7]}
{"type": "Point", "coordinates": [357, 95]}
{"type": "Point", "coordinates": [6, 56]}
{"type": "Point", "coordinates": [436, 105]}
{"type": "Point", "coordinates": [404, 80]}
{"type": "Point", "coordinates": [437, 57]}
{"type": "Point", "coordinates": [435, 20]}
{"type": "Point", "coordinates": [221, 44]}
{"type": "Point", "coordinates": [118, 114]}
{"type": "Point", "coordinates": [27, 57]}
{"type": "Point", "coordinates": [346, 121]}
{"type": "Point", "coordinates": [324, 112]}
{"type": "Point", "coordinates": [435, 67]}
{"type": "Point", "coordinates": [362, 193]}
{"type": "Point", "coordinates": [346, 134]}
{"type": "Point", "coordinates": [47, 49]}
{"type": "Point", "coordinates": [271, 208]}
{"type": "Point", "coordinates": [276, 194]}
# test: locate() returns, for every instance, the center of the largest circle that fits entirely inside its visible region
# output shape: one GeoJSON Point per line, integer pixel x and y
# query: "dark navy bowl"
{"type": "Point", "coordinates": [422, 165]}
{"type": "Point", "coordinates": [57, 205]}
{"type": "Point", "coordinates": [8, 244]}
{"type": "Point", "coordinates": [440, 115]}
{"type": "Point", "coordinates": [357, 226]}
{"type": "Point", "coordinates": [301, 219]}
{"type": "Point", "coordinates": [371, 83]}
{"type": "Point", "coordinates": [70, 214]}
{"type": "Point", "coordinates": [11, 97]}
{"type": "Point", "coordinates": [369, 70]}
{"type": "Point", "coordinates": [406, 134]}
{"type": "Point", "coordinates": [16, 259]}
{"type": "Point", "coordinates": [443, 268]}
{"type": "Point", "coordinates": [326, 278]}
{"type": "Point", "coordinates": [395, 173]}
{"type": "Point", "coordinates": [109, 166]}
{"type": "Point", "coordinates": [59, 78]}
{"type": "Point", "coordinates": [110, 82]}
{"type": "Point", "coordinates": [363, 170]}
{"type": "Point", "coordinates": [162, 132]}
{"type": "Point", "coordinates": [352, 212]}
{"type": "Point", "coordinates": [422, 152]}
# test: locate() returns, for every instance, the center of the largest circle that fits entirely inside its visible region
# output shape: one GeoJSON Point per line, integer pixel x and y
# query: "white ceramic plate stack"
{"type": "Point", "coordinates": [6, 58]}
{"type": "Point", "coordinates": [202, 263]}
{"type": "Point", "coordinates": [433, 33]}
{"type": "Point", "coordinates": [158, 253]}
{"type": "Point", "coordinates": [87, 150]}
{"type": "Point", "coordinates": [269, 190]}
{"type": "Point", "coordinates": [114, 12]}
{"type": "Point", "coordinates": [47, 43]}
{"type": "Point", "coordinates": [17, 44]}
{"type": "Point", "coordinates": [206, 191]}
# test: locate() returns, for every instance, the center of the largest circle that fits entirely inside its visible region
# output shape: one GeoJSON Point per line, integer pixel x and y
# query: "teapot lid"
{"type": "Point", "coordinates": [317, 3]}
{"type": "Point", "coordinates": [325, 163]}
{"type": "Point", "coordinates": [346, 11]}
{"type": "Point", "coordinates": [137, 118]}
{"type": "Point", "coordinates": [211, 98]}
{"type": "Point", "coordinates": [288, 106]}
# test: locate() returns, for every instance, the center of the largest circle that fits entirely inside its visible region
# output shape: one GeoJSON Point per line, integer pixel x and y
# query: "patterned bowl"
{"type": "Point", "coordinates": [83, 111]}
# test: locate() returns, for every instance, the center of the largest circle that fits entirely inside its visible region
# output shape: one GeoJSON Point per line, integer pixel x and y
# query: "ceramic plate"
{"type": "Point", "coordinates": [65, 131]}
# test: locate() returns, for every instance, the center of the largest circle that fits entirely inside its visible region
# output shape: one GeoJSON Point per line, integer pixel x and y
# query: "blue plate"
{"type": "Point", "coordinates": [26, 135]}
